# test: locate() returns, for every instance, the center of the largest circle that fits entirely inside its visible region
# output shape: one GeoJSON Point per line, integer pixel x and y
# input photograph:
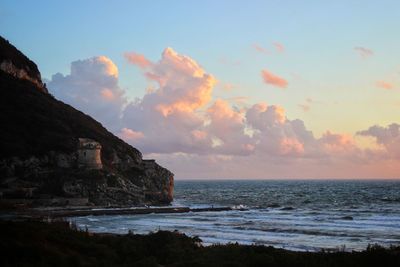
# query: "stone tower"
{"type": "Point", "coordinates": [89, 154]}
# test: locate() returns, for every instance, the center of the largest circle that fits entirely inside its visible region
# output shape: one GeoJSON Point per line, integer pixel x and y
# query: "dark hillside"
{"type": "Point", "coordinates": [53, 154]}
{"type": "Point", "coordinates": [34, 123]}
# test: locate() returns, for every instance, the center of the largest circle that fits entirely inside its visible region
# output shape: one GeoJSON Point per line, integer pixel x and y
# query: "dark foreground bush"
{"type": "Point", "coordinates": [56, 244]}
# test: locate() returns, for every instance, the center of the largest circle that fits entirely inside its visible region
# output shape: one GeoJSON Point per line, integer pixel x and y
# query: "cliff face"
{"type": "Point", "coordinates": [41, 150]}
{"type": "Point", "coordinates": [13, 62]}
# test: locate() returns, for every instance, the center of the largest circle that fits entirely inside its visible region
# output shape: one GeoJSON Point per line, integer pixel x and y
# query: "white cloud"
{"type": "Point", "coordinates": [92, 87]}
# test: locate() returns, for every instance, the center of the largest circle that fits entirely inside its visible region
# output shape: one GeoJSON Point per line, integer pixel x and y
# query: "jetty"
{"type": "Point", "coordinates": [78, 212]}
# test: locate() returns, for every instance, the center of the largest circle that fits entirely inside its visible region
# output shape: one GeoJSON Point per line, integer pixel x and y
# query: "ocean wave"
{"type": "Point", "coordinates": [239, 207]}
{"type": "Point", "coordinates": [295, 215]}
{"type": "Point", "coordinates": [388, 199]}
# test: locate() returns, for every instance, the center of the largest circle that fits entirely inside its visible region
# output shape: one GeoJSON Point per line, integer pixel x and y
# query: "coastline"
{"type": "Point", "coordinates": [299, 220]}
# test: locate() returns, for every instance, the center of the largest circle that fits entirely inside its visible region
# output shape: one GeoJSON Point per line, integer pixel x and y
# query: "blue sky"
{"type": "Point", "coordinates": [318, 36]}
{"type": "Point", "coordinates": [319, 59]}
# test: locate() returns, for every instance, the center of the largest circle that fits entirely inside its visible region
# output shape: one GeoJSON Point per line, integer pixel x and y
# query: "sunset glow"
{"type": "Point", "coordinates": [249, 93]}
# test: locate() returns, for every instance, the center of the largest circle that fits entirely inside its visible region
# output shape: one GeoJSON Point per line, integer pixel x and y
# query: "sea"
{"type": "Point", "coordinates": [306, 215]}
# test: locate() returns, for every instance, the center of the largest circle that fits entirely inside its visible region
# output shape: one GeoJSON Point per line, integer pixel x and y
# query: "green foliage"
{"type": "Point", "coordinates": [61, 244]}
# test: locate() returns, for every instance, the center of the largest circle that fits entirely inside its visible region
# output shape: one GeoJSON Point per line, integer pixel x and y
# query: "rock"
{"type": "Point", "coordinates": [349, 218]}
{"type": "Point", "coordinates": [287, 208]}
{"type": "Point", "coordinates": [63, 160]}
{"type": "Point", "coordinates": [20, 73]}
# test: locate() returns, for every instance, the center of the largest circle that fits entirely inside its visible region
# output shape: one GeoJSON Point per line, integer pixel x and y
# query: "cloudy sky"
{"type": "Point", "coordinates": [228, 89]}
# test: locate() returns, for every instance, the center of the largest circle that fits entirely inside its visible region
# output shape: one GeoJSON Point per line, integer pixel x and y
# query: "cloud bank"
{"type": "Point", "coordinates": [182, 125]}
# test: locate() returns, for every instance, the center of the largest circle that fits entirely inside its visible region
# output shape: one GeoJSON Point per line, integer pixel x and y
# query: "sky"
{"type": "Point", "coordinates": [228, 89]}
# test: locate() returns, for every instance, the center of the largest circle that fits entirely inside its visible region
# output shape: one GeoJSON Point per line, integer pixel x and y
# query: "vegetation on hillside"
{"type": "Point", "coordinates": [34, 123]}
{"type": "Point", "coordinates": [57, 244]}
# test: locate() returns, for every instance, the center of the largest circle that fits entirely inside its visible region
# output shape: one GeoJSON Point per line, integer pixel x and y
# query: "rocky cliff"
{"type": "Point", "coordinates": [41, 149]}
{"type": "Point", "coordinates": [13, 62]}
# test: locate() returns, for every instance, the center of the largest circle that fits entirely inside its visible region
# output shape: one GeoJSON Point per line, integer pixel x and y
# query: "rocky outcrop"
{"type": "Point", "coordinates": [22, 73]}
{"type": "Point", "coordinates": [53, 154]}
{"type": "Point", "coordinates": [16, 64]}
{"type": "Point", "coordinates": [58, 179]}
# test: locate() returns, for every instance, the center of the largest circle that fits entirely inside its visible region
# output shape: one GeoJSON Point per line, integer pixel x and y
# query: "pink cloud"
{"type": "Point", "coordinates": [273, 79]}
{"type": "Point", "coordinates": [384, 85]}
{"type": "Point", "coordinates": [129, 134]}
{"type": "Point", "coordinates": [291, 146]}
{"type": "Point", "coordinates": [275, 135]}
{"type": "Point", "coordinates": [224, 118]}
{"type": "Point", "coordinates": [199, 135]}
{"type": "Point", "coordinates": [227, 125]}
{"type": "Point", "coordinates": [107, 94]}
{"type": "Point", "coordinates": [261, 116]}
{"type": "Point", "coordinates": [333, 142]}
{"type": "Point", "coordinates": [137, 59]}
{"type": "Point", "coordinates": [183, 84]}
{"type": "Point", "coordinates": [280, 48]}
{"type": "Point", "coordinates": [168, 114]}
{"type": "Point", "coordinates": [260, 49]}
{"type": "Point", "coordinates": [179, 123]}
{"type": "Point", "coordinates": [363, 51]}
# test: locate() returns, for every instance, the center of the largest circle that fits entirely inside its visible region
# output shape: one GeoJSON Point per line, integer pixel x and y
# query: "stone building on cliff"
{"type": "Point", "coordinates": [89, 154]}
